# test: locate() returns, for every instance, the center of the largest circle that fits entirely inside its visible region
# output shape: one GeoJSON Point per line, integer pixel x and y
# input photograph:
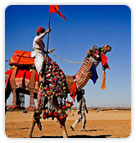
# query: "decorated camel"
{"type": "Point", "coordinates": [52, 94]}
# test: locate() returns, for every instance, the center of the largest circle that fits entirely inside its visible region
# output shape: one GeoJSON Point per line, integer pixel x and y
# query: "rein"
{"type": "Point", "coordinates": [95, 56]}
{"type": "Point", "coordinates": [65, 60]}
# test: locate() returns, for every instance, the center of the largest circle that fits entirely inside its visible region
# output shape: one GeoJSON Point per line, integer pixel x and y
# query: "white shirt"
{"type": "Point", "coordinates": [38, 44]}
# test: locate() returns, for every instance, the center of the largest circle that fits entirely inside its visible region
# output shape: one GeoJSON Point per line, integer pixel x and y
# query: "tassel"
{"type": "Point", "coordinates": [73, 91]}
{"type": "Point", "coordinates": [104, 61]}
{"type": "Point", "coordinates": [103, 80]}
{"type": "Point", "coordinates": [105, 66]}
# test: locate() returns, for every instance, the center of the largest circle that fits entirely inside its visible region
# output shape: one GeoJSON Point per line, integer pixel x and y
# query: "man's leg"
{"type": "Point", "coordinates": [39, 59]}
{"type": "Point", "coordinates": [83, 121]}
{"type": "Point", "coordinates": [76, 122]}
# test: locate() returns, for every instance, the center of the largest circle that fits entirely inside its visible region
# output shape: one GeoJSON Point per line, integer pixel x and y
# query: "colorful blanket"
{"type": "Point", "coordinates": [8, 76]}
{"type": "Point", "coordinates": [22, 77]}
{"type": "Point", "coordinates": [55, 79]}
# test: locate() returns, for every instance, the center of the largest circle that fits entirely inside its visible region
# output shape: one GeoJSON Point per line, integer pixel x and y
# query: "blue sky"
{"type": "Point", "coordinates": [85, 26]}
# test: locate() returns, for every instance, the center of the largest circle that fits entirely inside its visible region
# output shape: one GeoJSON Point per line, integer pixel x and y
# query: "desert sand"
{"type": "Point", "coordinates": [100, 124]}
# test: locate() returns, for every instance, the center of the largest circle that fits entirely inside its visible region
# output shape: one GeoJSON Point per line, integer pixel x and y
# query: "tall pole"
{"type": "Point", "coordinates": [48, 34]}
{"type": "Point", "coordinates": [47, 46]}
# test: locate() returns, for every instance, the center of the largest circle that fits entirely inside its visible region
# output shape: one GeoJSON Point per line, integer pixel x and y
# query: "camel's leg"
{"type": "Point", "coordinates": [13, 85]}
{"type": "Point", "coordinates": [14, 96]}
{"type": "Point", "coordinates": [31, 130]}
{"type": "Point", "coordinates": [31, 102]}
{"type": "Point", "coordinates": [7, 94]}
{"type": "Point", "coordinates": [36, 120]}
{"type": "Point", "coordinates": [18, 98]}
{"type": "Point", "coordinates": [55, 104]}
{"type": "Point", "coordinates": [32, 85]}
{"type": "Point", "coordinates": [64, 131]}
{"type": "Point", "coordinates": [14, 101]}
{"type": "Point", "coordinates": [36, 116]}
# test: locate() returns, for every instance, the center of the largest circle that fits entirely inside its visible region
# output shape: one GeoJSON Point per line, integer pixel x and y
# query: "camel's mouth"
{"type": "Point", "coordinates": [106, 48]}
{"type": "Point", "coordinates": [109, 49]}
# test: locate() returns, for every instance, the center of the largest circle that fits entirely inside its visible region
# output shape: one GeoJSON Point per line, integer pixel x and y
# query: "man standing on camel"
{"type": "Point", "coordinates": [38, 53]}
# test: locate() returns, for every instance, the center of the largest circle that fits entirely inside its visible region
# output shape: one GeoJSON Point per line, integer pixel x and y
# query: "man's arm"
{"type": "Point", "coordinates": [40, 37]}
{"type": "Point", "coordinates": [49, 51]}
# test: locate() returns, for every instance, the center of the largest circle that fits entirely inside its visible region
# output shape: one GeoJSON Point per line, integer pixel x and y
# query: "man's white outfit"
{"type": "Point", "coordinates": [38, 53]}
{"type": "Point", "coordinates": [81, 108]}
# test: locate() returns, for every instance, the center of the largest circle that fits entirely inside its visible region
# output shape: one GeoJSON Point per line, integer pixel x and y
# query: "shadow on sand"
{"type": "Point", "coordinates": [78, 136]}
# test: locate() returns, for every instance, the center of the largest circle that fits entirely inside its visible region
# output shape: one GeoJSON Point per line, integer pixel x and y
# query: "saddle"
{"type": "Point", "coordinates": [22, 58]}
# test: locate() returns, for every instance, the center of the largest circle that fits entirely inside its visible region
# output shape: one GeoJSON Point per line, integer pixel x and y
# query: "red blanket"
{"type": "Point", "coordinates": [22, 75]}
{"type": "Point", "coordinates": [19, 78]}
{"type": "Point", "coordinates": [7, 76]}
{"type": "Point", "coordinates": [21, 58]}
{"type": "Point", "coordinates": [27, 79]}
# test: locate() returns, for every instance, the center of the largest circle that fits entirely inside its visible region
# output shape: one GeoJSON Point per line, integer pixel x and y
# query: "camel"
{"type": "Point", "coordinates": [81, 79]}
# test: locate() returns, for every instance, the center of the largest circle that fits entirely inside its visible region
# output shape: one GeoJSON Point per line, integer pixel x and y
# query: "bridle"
{"type": "Point", "coordinates": [97, 54]}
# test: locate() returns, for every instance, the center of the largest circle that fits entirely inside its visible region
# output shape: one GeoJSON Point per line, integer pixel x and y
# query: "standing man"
{"type": "Point", "coordinates": [38, 53]}
{"type": "Point", "coordinates": [81, 108]}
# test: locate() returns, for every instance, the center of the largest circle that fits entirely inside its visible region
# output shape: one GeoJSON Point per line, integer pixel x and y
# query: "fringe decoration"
{"type": "Point", "coordinates": [103, 80]}
{"type": "Point", "coordinates": [73, 91]}
{"type": "Point", "coordinates": [105, 66]}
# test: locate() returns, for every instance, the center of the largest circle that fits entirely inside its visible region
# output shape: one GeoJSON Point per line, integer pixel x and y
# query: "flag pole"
{"type": "Point", "coordinates": [48, 33]}
{"type": "Point", "coordinates": [47, 45]}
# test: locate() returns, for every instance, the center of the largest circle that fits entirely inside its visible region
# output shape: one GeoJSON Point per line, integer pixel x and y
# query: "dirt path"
{"type": "Point", "coordinates": [103, 124]}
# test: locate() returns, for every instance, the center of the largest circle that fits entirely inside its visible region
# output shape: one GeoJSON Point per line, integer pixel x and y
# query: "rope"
{"type": "Point", "coordinates": [66, 60]}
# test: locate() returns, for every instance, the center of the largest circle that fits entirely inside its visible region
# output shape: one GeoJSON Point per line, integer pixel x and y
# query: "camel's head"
{"type": "Point", "coordinates": [106, 48]}
{"type": "Point", "coordinates": [93, 58]}
{"type": "Point", "coordinates": [96, 52]}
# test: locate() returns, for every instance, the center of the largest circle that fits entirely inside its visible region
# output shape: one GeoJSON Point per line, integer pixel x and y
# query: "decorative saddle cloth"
{"type": "Point", "coordinates": [21, 58]}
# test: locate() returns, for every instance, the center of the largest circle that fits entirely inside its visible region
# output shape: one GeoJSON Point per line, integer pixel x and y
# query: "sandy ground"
{"type": "Point", "coordinates": [103, 124]}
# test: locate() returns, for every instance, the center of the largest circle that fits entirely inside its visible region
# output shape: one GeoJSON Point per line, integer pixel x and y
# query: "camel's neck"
{"type": "Point", "coordinates": [84, 74]}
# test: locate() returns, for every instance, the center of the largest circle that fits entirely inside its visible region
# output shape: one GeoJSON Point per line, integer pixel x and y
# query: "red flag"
{"type": "Point", "coordinates": [55, 9]}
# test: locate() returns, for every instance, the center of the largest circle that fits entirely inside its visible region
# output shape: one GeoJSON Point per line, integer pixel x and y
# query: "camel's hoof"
{"type": "Point", "coordinates": [29, 136]}
{"type": "Point", "coordinates": [31, 108]}
{"type": "Point", "coordinates": [13, 107]}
